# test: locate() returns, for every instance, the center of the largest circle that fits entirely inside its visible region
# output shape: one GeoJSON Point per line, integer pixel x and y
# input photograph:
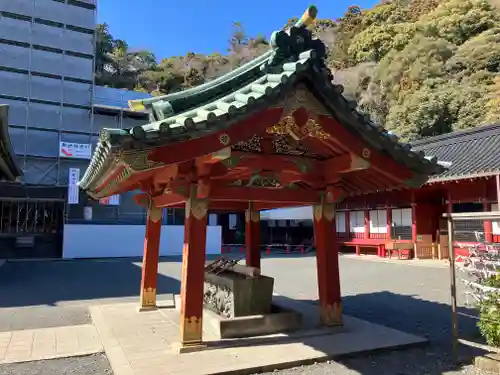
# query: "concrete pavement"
{"type": "Point", "coordinates": [48, 343]}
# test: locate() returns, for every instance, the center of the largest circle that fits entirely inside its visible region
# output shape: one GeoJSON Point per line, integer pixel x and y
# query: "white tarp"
{"type": "Point", "coordinates": [73, 190]}
{"type": "Point", "coordinates": [293, 213]}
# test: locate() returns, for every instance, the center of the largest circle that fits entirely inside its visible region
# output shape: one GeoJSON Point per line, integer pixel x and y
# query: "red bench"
{"type": "Point", "coordinates": [359, 244]}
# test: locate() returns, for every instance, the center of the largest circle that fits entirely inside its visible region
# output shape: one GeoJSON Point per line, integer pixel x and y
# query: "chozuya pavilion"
{"type": "Point", "coordinates": [275, 132]}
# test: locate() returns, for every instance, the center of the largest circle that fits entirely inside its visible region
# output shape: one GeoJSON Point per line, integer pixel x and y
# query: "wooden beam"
{"type": "Point", "coordinates": [242, 206]}
{"type": "Point", "coordinates": [385, 165]}
{"type": "Point", "coordinates": [346, 163]}
{"type": "Point", "coordinates": [269, 162]}
{"type": "Point", "coordinates": [142, 200]}
{"type": "Point", "coordinates": [246, 194]}
{"type": "Point", "coordinates": [169, 199]}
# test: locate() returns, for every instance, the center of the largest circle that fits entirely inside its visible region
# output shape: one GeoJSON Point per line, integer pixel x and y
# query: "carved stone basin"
{"type": "Point", "coordinates": [232, 294]}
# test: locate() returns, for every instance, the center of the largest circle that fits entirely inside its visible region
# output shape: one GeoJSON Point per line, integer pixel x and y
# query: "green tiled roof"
{"type": "Point", "coordinates": [471, 152]}
{"type": "Point", "coordinates": [295, 56]}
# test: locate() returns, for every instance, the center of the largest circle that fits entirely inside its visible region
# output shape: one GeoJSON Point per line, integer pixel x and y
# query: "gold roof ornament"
{"type": "Point", "coordinates": [308, 18]}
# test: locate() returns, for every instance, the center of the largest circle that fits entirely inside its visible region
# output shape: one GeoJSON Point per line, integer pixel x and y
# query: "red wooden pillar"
{"type": "Point", "coordinates": [347, 224]}
{"type": "Point", "coordinates": [367, 224]}
{"type": "Point", "coordinates": [414, 222]}
{"type": "Point", "coordinates": [193, 270]}
{"type": "Point", "coordinates": [327, 258]}
{"type": "Point", "coordinates": [488, 225]}
{"type": "Point", "coordinates": [252, 237]}
{"type": "Point", "coordinates": [389, 223]}
{"type": "Point", "coordinates": [150, 258]}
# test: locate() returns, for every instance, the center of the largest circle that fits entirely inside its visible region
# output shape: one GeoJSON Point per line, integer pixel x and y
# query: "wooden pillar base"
{"type": "Point", "coordinates": [148, 299]}
{"type": "Point", "coordinates": [191, 329]}
{"type": "Point", "coordinates": [327, 258]}
{"type": "Point", "coordinates": [331, 315]}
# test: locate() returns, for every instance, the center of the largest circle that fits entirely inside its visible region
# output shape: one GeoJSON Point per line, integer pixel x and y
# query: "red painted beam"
{"type": "Point", "coordinates": [168, 200]}
{"type": "Point", "coordinates": [383, 164]}
{"type": "Point", "coordinates": [250, 194]}
{"type": "Point", "coordinates": [241, 206]}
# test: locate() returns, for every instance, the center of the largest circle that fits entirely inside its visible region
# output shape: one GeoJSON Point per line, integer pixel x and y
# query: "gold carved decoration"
{"type": "Point", "coordinates": [324, 210]}
{"type": "Point", "coordinates": [331, 315]}
{"type": "Point", "coordinates": [224, 139]}
{"type": "Point", "coordinates": [192, 331]}
{"type": "Point", "coordinates": [313, 129]}
{"type": "Point", "coordinates": [148, 297]}
{"type": "Point", "coordinates": [139, 161]}
{"type": "Point", "coordinates": [366, 153]}
{"type": "Point", "coordinates": [287, 125]}
{"type": "Point", "coordinates": [197, 207]}
{"type": "Point", "coordinates": [154, 213]}
{"type": "Point", "coordinates": [250, 145]}
{"type": "Point", "coordinates": [358, 163]}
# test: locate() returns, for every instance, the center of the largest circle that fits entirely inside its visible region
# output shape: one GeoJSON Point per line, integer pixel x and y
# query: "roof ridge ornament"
{"type": "Point", "coordinates": [289, 44]}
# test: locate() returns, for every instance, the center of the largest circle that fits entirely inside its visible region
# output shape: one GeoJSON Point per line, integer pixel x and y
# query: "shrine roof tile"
{"type": "Point", "coordinates": [472, 152]}
{"type": "Point", "coordinates": [9, 169]}
{"type": "Point", "coordinates": [294, 56]}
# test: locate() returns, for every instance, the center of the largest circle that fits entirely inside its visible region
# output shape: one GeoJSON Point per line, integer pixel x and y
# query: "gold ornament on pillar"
{"type": "Point", "coordinates": [154, 213]}
{"type": "Point", "coordinates": [324, 210]}
{"type": "Point", "coordinates": [251, 215]}
{"type": "Point", "coordinates": [331, 315]}
{"type": "Point", "coordinates": [192, 331]}
{"type": "Point", "coordinates": [148, 297]}
{"type": "Point", "coordinates": [197, 207]}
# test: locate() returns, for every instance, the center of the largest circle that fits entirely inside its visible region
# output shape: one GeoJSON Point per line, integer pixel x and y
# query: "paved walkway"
{"type": "Point", "coordinates": [147, 344]}
{"type": "Point", "coordinates": [48, 343]}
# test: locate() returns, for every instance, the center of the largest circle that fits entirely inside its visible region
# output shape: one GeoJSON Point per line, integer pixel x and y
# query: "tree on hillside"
{"type": "Point", "coordinates": [418, 67]}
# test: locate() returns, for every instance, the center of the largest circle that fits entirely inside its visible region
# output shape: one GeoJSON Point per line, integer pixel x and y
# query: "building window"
{"type": "Point", "coordinates": [468, 230]}
{"type": "Point", "coordinates": [401, 223]}
{"type": "Point", "coordinates": [357, 221]}
{"type": "Point", "coordinates": [378, 221]}
{"type": "Point", "coordinates": [495, 224]}
{"type": "Point", "coordinates": [212, 219]}
{"type": "Point", "coordinates": [233, 221]}
{"type": "Point", "coordinates": [340, 222]}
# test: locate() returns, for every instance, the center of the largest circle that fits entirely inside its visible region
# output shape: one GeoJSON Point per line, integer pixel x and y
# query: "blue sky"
{"type": "Point", "coordinates": [175, 27]}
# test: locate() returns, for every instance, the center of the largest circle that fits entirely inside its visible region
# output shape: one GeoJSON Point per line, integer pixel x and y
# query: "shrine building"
{"type": "Point", "coordinates": [367, 223]}
{"type": "Point", "coordinates": [272, 133]}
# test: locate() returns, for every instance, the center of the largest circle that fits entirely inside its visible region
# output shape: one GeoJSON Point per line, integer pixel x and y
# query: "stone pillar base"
{"type": "Point", "coordinates": [191, 348]}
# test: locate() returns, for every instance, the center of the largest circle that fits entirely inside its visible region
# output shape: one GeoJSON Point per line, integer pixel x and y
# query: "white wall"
{"type": "Point", "coordinates": [110, 241]}
{"type": "Point", "coordinates": [292, 213]}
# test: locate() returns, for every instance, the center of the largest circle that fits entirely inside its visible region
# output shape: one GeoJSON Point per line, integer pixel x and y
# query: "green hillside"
{"type": "Point", "coordinates": [419, 67]}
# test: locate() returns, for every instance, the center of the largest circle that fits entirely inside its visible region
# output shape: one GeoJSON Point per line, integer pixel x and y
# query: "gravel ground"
{"type": "Point", "coordinates": [33, 317]}
{"type": "Point", "coordinates": [88, 365]}
{"type": "Point", "coordinates": [410, 298]}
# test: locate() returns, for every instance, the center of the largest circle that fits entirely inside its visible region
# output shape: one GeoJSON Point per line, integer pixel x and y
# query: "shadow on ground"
{"type": "Point", "coordinates": [48, 283]}
{"type": "Point", "coordinates": [411, 315]}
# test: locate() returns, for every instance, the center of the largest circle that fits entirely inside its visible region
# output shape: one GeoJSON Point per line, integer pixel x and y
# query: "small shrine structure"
{"type": "Point", "coordinates": [275, 132]}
